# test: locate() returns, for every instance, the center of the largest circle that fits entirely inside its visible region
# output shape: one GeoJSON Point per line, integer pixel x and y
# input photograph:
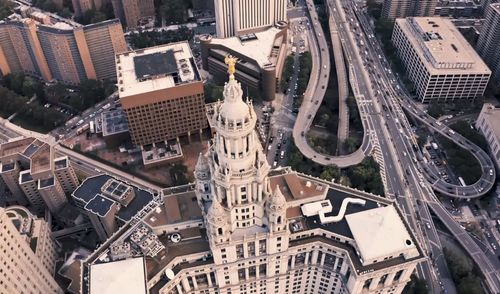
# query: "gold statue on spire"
{"type": "Point", "coordinates": [231, 65]}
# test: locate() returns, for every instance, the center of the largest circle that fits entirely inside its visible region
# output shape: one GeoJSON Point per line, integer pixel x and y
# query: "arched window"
{"type": "Point", "coordinates": [219, 231]}
{"type": "Point", "coordinates": [279, 219]}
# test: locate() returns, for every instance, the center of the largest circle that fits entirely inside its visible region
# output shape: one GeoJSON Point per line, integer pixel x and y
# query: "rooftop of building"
{"type": "Point", "coordinates": [92, 187]}
{"type": "Point", "coordinates": [124, 276]}
{"type": "Point", "coordinates": [44, 183]}
{"type": "Point", "coordinates": [491, 114]}
{"type": "Point", "coordinates": [260, 46]}
{"type": "Point", "coordinates": [172, 150]}
{"type": "Point", "coordinates": [379, 232]}
{"type": "Point", "coordinates": [71, 269]}
{"type": "Point", "coordinates": [20, 217]}
{"type": "Point", "coordinates": [180, 206]}
{"type": "Point", "coordinates": [37, 152]}
{"type": "Point", "coordinates": [155, 68]}
{"type": "Point", "coordinates": [25, 176]}
{"type": "Point", "coordinates": [295, 187]}
{"type": "Point", "coordinates": [496, 6]}
{"type": "Point", "coordinates": [443, 48]}
{"type": "Point", "coordinates": [15, 146]}
{"type": "Point", "coordinates": [174, 209]}
{"type": "Point", "coordinates": [114, 122]}
{"type": "Point", "coordinates": [100, 205]}
{"type": "Point", "coordinates": [8, 166]}
{"type": "Point", "coordinates": [336, 198]}
{"type": "Point", "coordinates": [61, 162]}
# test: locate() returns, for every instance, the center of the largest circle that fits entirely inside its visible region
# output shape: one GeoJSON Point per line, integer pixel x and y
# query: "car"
{"type": "Point", "coordinates": [282, 154]}
{"type": "Point", "coordinates": [428, 226]}
{"type": "Point", "coordinates": [275, 163]}
{"type": "Point", "coordinates": [491, 172]}
{"type": "Point", "coordinates": [269, 147]}
{"type": "Point", "coordinates": [279, 146]}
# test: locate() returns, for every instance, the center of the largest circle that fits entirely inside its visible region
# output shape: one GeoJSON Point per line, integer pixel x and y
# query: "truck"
{"type": "Point", "coordinates": [462, 182]}
{"type": "Point", "coordinates": [82, 129]}
{"type": "Point", "coordinates": [434, 145]}
{"type": "Point", "coordinates": [92, 126]}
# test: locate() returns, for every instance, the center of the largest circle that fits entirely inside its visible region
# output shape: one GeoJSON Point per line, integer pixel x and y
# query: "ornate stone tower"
{"type": "Point", "coordinates": [231, 178]}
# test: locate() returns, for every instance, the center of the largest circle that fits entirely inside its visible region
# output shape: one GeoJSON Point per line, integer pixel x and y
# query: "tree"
{"type": "Point", "coordinates": [6, 8]}
{"type": "Point", "coordinates": [174, 11]}
{"type": "Point", "coordinates": [98, 17]}
{"type": "Point", "coordinates": [435, 109]}
{"type": "Point", "coordinates": [351, 145]}
{"type": "Point", "coordinates": [465, 130]}
{"type": "Point", "coordinates": [366, 176]}
{"type": "Point", "coordinates": [416, 286]}
{"type": "Point", "coordinates": [330, 172]}
{"type": "Point", "coordinates": [471, 284]}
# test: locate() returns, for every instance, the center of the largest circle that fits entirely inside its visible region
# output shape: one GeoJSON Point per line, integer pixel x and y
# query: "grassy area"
{"type": "Point", "coordinates": [463, 272]}
{"type": "Point", "coordinates": [323, 145]}
{"type": "Point", "coordinates": [364, 176]}
{"type": "Point", "coordinates": [464, 129]}
{"type": "Point", "coordinates": [461, 161]}
{"type": "Point", "coordinates": [29, 124]}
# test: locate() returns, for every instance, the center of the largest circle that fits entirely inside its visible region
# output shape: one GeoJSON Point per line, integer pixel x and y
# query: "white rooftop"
{"type": "Point", "coordinates": [127, 69]}
{"type": "Point", "coordinates": [258, 49]}
{"type": "Point", "coordinates": [124, 277]}
{"type": "Point", "coordinates": [441, 46]}
{"type": "Point", "coordinates": [379, 233]}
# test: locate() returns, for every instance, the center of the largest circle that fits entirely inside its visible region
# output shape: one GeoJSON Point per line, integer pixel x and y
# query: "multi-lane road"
{"type": "Point", "coordinates": [313, 97]}
{"type": "Point", "coordinates": [410, 187]}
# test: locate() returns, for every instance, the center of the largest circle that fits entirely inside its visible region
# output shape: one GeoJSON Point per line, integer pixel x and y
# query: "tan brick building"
{"type": "Point", "coordinates": [161, 93]}
{"type": "Point", "coordinates": [27, 253]}
{"type": "Point", "coordinates": [62, 51]}
{"type": "Point", "coordinates": [132, 12]}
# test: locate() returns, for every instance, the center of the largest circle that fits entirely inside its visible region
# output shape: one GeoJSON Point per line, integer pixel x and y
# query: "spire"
{"type": "Point", "coordinates": [202, 169]}
{"type": "Point", "coordinates": [216, 213]}
{"type": "Point", "coordinates": [202, 163]}
{"type": "Point", "coordinates": [276, 200]}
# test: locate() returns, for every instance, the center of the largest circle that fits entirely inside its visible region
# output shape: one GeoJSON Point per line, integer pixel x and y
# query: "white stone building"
{"type": "Point", "coordinates": [488, 123]}
{"type": "Point", "coordinates": [243, 228]}
{"type": "Point", "coordinates": [236, 17]}
{"type": "Point", "coordinates": [438, 60]}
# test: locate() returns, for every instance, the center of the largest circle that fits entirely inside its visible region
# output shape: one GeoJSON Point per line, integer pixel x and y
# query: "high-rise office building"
{"type": "Point", "coordinates": [393, 9]}
{"type": "Point", "coordinates": [488, 123]}
{"type": "Point", "coordinates": [242, 228]}
{"type": "Point", "coordinates": [438, 60]}
{"type": "Point", "coordinates": [489, 38]}
{"type": "Point", "coordinates": [82, 6]}
{"type": "Point", "coordinates": [133, 13]}
{"type": "Point", "coordinates": [161, 93]}
{"type": "Point", "coordinates": [262, 57]}
{"type": "Point", "coordinates": [235, 17]}
{"type": "Point", "coordinates": [27, 253]}
{"type": "Point", "coordinates": [27, 168]}
{"type": "Point", "coordinates": [58, 50]}
{"type": "Point", "coordinates": [65, 174]}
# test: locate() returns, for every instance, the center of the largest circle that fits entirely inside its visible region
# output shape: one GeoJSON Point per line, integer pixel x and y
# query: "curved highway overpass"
{"type": "Point", "coordinates": [487, 180]}
{"type": "Point", "coordinates": [315, 92]}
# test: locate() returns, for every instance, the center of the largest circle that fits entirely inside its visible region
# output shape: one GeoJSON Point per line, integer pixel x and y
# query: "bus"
{"type": "Point", "coordinates": [462, 182]}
